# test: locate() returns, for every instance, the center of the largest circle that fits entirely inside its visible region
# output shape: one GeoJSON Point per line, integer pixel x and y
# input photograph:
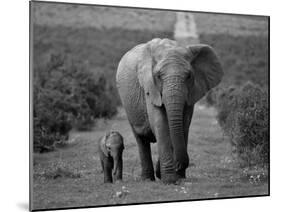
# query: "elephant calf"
{"type": "Point", "coordinates": [111, 147]}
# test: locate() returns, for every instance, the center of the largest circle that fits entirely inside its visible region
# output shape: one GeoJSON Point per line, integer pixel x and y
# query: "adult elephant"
{"type": "Point", "coordinates": [159, 82]}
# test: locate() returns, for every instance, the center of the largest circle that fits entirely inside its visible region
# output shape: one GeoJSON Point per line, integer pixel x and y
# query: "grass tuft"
{"type": "Point", "coordinates": [58, 169]}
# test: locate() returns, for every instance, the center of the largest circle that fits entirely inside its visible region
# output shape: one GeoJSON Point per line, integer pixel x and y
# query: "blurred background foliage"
{"type": "Point", "coordinates": [74, 78]}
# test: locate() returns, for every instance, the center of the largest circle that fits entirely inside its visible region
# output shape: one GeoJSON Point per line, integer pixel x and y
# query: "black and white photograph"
{"type": "Point", "coordinates": [136, 105]}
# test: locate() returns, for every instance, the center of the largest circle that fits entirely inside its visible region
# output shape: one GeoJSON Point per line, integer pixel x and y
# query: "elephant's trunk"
{"type": "Point", "coordinates": [175, 99]}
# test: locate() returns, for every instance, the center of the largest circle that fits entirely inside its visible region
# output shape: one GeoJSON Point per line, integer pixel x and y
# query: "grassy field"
{"type": "Point", "coordinates": [72, 176]}
{"type": "Point", "coordinates": [83, 16]}
{"type": "Point", "coordinates": [233, 25]}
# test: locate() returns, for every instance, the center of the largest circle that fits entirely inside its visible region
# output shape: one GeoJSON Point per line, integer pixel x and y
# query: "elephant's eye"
{"type": "Point", "coordinates": [147, 93]}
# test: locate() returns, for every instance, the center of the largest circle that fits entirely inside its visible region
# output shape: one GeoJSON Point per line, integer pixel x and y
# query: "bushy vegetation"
{"type": "Point", "coordinates": [242, 106]}
{"type": "Point", "coordinates": [74, 77]}
{"type": "Point", "coordinates": [243, 115]}
{"type": "Point", "coordinates": [66, 95]}
{"type": "Point", "coordinates": [100, 49]}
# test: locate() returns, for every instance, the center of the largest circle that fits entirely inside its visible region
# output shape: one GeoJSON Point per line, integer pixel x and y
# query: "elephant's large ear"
{"type": "Point", "coordinates": [207, 70]}
{"type": "Point", "coordinates": [104, 145]}
{"type": "Point", "coordinates": [147, 77]}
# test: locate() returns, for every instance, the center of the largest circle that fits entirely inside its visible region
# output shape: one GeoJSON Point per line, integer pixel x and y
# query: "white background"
{"type": "Point", "coordinates": [14, 118]}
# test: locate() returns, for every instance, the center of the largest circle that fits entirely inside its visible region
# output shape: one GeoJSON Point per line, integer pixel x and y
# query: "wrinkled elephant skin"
{"type": "Point", "coordinates": [159, 82]}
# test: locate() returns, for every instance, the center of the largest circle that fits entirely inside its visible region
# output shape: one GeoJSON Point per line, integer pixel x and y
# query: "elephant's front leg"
{"type": "Point", "coordinates": [165, 149]}
{"type": "Point", "coordinates": [102, 163]}
{"type": "Point", "coordinates": [147, 172]}
{"type": "Point", "coordinates": [187, 121]}
{"type": "Point", "coordinates": [108, 165]}
{"type": "Point", "coordinates": [119, 171]}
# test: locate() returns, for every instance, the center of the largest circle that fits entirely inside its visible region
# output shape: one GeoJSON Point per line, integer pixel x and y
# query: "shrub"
{"type": "Point", "coordinates": [101, 49]}
{"type": "Point", "coordinates": [243, 115]}
{"type": "Point", "coordinates": [66, 95]}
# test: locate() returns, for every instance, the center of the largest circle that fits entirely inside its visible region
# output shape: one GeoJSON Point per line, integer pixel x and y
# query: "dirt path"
{"type": "Point", "coordinates": [185, 31]}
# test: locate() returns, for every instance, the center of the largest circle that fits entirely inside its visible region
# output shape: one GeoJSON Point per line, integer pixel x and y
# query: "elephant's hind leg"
{"type": "Point", "coordinates": [145, 158]}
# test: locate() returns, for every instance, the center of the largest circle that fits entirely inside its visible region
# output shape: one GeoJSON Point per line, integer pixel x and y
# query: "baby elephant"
{"type": "Point", "coordinates": [111, 147]}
